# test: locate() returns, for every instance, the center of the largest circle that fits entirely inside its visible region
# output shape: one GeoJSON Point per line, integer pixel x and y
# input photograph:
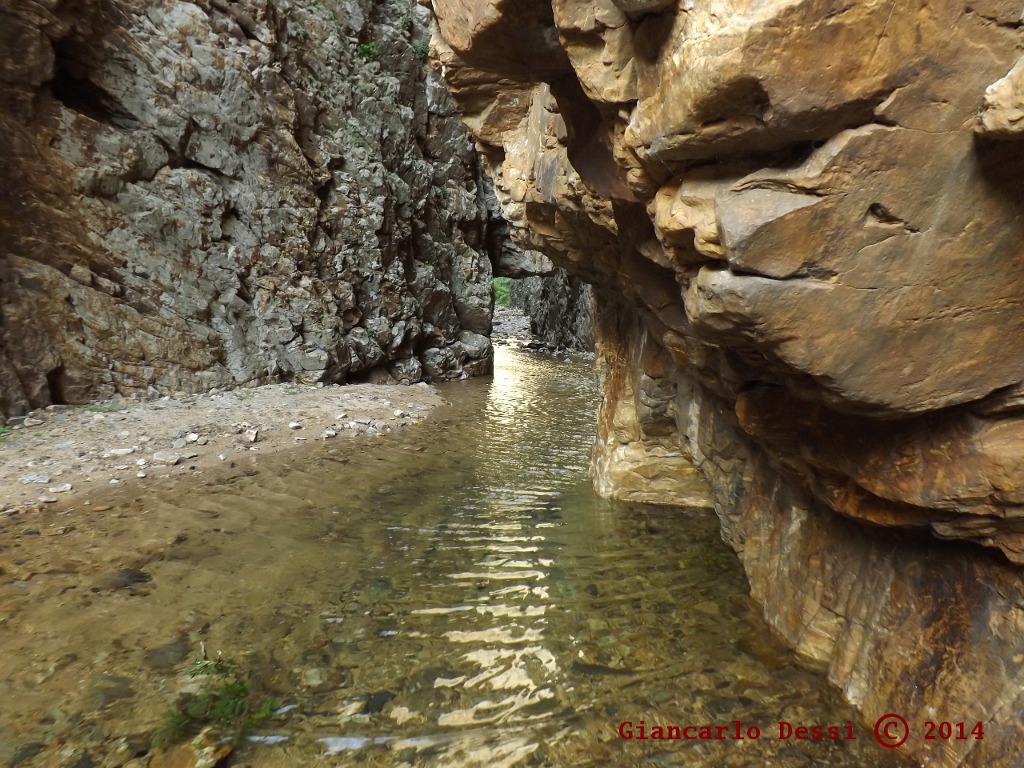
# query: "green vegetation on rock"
{"type": "Point", "coordinates": [225, 700]}
{"type": "Point", "coordinates": [502, 285]}
{"type": "Point", "coordinates": [369, 51]}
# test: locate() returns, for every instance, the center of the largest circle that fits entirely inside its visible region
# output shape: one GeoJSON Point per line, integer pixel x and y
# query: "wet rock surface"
{"type": "Point", "coordinates": [787, 210]}
{"type": "Point", "coordinates": [206, 194]}
{"type": "Point", "coordinates": [92, 653]}
{"type": "Point", "coordinates": [450, 595]}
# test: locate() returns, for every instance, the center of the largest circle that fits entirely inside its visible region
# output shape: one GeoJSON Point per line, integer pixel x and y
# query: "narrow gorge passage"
{"type": "Point", "coordinates": [453, 596]}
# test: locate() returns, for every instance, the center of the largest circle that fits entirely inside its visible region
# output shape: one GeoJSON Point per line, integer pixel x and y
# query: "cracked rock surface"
{"type": "Point", "coordinates": [209, 193]}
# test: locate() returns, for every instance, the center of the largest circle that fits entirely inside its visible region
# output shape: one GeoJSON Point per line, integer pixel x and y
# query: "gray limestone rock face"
{"type": "Point", "coordinates": [205, 194]}
{"type": "Point", "coordinates": [560, 308]}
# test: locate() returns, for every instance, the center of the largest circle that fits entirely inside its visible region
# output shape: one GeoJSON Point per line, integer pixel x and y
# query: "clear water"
{"type": "Point", "coordinates": [454, 596]}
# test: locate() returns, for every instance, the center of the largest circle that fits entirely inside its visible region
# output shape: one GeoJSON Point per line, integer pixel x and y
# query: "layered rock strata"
{"type": "Point", "coordinates": [208, 193]}
{"type": "Point", "coordinates": [803, 222]}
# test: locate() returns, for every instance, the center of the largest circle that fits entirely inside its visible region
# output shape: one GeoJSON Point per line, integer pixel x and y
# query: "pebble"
{"type": "Point", "coordinates": [48, 499]}
{"type": "Point", "coordinates": [189, 454]}
{"type": "Point", "coordinates": [342, 415]}
{"type": "Point", "coordinates": [179, 443]}
{"type": "Point", "coordinates": [191, 437]}
{"type": "Point", "coordinates": [202, 440]}
{"type": "Point", "coordinates": [140, 474]}
{"type": "Point", "coordinates": [121, 451]}
{"type": "Point", "coordinates": [166, 458]}
{"type": "Point", "coordinates": [400, 413]}
{"type": "Point", "coordinates": [98, 417]}
{"type": "Point", "coordinates": [252, 435]}
{"type": "Point", "coordinates": [312, 678]}
{"type": "Point", "coordinates": [294, 425]}
{"type": "Point", "coordinates": [40, 479]}
{"type": "Point", "coordinates": [221, 456]}
{"type": "Point", "coordinates": [30, 422]}
{"type": "Point", "coordinates": [124, 578]}
{"type": "Point", "coordinates": [329, 433]}
{"type": "Point", "coordinates": [113, 481]}
{"type": "Point", "coordinates": [62, 488]}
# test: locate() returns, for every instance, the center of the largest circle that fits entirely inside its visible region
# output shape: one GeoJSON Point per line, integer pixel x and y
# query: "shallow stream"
{"type": "Point", "coordinates": [452, 596]}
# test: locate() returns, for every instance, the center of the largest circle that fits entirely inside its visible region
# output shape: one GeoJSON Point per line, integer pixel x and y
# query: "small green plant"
{"type": "Point", "coordinates": [4, 429]}
{"type": "Point", "coordinates": [502, 286]}
{"type": "Point", "coordinates": [225, 700]}
{"type": "Point", "coordinates": [423, 48]}
{"type": "Point", "coordinates": [368, 51]}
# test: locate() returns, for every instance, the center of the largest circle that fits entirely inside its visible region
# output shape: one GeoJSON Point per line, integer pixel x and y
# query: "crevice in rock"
{"type": "Point", "coordinates": [245, 22]}
{"type": "Point", "coordinates": [651, 35]}
{"type": "Point", "coordinates": [72, 87]}
{"type": "Point", "coordinates": [56, 382]}
{"type": "Point", "coordinates": [740, 98]}
{"type": "Point", "coordinates": [880, 214]}
{"type": "Point", "coordinates": [588, 144]}
{"type": "Point", "coordinates": [781, 185]}
{"type": "Point", "coordinates": [1014, 24]}
{"type": "Point", "coordinates": [809, 272]}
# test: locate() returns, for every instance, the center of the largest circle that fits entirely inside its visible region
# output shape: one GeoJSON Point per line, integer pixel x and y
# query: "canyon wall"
{"type": "Point", "coordinates": [560, 308]}
{"type": "Point", "coordinates": [211, 193]}
{"type": "Point", "coordinates": [803, 222]}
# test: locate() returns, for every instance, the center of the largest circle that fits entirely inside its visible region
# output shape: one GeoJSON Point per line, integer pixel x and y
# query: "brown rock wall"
{"type": "Point", "coordinates": [802, 224]}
